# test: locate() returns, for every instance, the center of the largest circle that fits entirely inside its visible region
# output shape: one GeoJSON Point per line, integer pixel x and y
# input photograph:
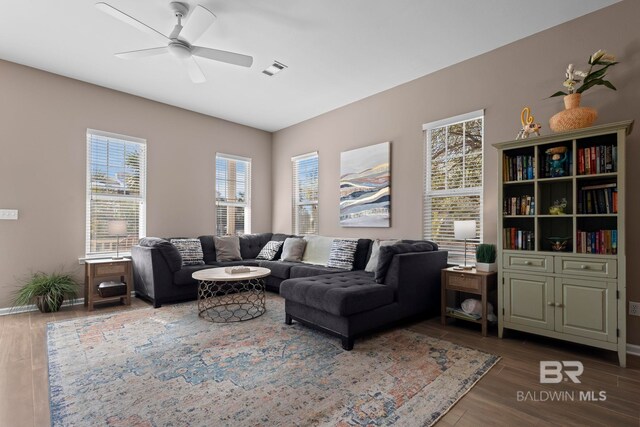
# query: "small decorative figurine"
{"type": "Point", "coordinates": [558, 207]}
{"type": "Point", "coordinates": [559, 244]}
{"type": "Point", "coordinates": [528, 127]}
{"type": "Point", "coordinates": [557, 160]}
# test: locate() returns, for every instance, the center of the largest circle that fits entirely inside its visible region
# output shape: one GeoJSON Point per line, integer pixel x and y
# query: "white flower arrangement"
{"type": "Point", "coordinates": [600, 60]}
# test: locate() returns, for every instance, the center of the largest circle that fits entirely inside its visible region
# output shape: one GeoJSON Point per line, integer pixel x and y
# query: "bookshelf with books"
{"type": "Point", "coordinates": [561, 236]}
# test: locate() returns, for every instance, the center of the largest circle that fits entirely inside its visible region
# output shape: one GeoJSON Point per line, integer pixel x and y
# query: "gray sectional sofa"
{"type": "Point", "coordinates": [342, 302]}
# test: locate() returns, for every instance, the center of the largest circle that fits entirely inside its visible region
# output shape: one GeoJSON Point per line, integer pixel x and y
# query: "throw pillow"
{"type": "Point", "coordinates": [318, 250]}
{"type": "Point", "coordinates": [342, 254]}
{"type": "Point", "coordinates": [375, 251]}
{"type": "Point", "coordinates": [293, 249]}
{"type": "Point", "coordinates": [168, 251]}
{"type": "Point", "coordinates": [269, 251]}
{"type": "Point", "coordinates": [227, 248]}
{"type": "Point", "coordinates": [190, 250]}
{"type": "Point", "coordinates": [387, 253]}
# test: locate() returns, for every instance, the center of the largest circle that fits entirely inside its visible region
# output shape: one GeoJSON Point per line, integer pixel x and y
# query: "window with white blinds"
{"type": "Point", "coordinates": [305, 193]}
{"type": "Point", "coordinates": [233, 195]}
{"type": "Point", "coordinates": [453, 180]}
{"type": "Point", "coordinates": [116, 191]}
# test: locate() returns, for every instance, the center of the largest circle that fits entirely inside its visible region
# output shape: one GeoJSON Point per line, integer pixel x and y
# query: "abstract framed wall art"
{"type": "Point", "coordinates": [365, 186]}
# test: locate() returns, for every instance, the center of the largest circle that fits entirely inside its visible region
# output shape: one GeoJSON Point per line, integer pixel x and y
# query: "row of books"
{"type": "Point", "coordinates": [518, 168]}
{"type": "Point", "coordinates": [598, 199]}
{"type": "Point", "coordinates": [603, 242]}
{"type": "Point", "coordinates": [598, 159]}
{"type": "Point", "coordinates": [521, 205]}
{"type": "Point", "coordinates": [548, 169]}
{"type": "Point", "coordinates": [514, 238]}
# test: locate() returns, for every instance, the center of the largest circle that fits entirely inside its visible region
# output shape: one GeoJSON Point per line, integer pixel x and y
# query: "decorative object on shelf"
{"type": "Point", "coordinates": [463, 230]}
{"type": "Point", "coordinates": [558, 158]}
{"type": "Point", "coordinates": [528, 125]}
{"type": "Point", "coordinates": [365, 199]}
{"type": "Point", "coordinates": [559, 244]}
{"type": "Point", "coordinates": [558, 207]}
{"type": "Point", "coordinates": [574, 116]}
{"type": "Point", "coordinates": [48, 291]}
{"type": "Point", "coordinates": [117, 227]}
{"type": "Point", "coordinates": [111, 289]}
{"type": "Point", "coordinates": [486, 257]}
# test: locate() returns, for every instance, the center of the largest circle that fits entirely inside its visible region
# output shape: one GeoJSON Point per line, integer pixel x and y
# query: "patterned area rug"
{"type": "Point", "coordinates": [168, 367]}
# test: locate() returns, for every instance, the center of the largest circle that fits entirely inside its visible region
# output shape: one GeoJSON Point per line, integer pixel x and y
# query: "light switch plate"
{"type": "Point", "coordinates": [8, 214]}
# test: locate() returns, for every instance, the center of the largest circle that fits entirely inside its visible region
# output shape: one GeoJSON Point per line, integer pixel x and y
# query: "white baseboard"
{"type": "Point", "coordinates": [633, 349]}
{"type": "Point", "coordinates": [32, 307]}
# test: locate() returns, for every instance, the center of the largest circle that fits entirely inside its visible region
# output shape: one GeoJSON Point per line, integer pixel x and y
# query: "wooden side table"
{"type": "Point", "coordinates": [100, 270]}
{"type": "Point", "coordinates": [471, 282]}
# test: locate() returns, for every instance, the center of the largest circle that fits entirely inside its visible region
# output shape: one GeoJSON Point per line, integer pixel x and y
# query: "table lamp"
{"type": "Point", "coordinates": [117, 227]}
{"type": "Point", "coordinates": [463, 230]}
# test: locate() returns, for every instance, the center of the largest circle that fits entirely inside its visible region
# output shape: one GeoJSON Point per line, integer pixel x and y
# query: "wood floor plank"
{"type": "Point", "coordinates": [16, 394]}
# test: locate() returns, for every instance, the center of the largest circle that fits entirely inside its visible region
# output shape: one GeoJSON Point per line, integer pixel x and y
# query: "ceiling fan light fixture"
{"type": "Point", "coordinates": [274, 69]}
{"type": "Point", "coordinates": [179, 50]}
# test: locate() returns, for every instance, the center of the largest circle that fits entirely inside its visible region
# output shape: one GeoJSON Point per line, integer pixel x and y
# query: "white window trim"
{"type": "Point", "coordinates": [296, 189]}
{"type": "Point", "coordinates": [142, 220]}
{"type": "Point", "coordinates": [247, 205]}
{"type": "Point", "coordinates": [427, 127]}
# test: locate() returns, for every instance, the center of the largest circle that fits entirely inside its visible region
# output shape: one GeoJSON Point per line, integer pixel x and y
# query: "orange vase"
{"type": "Point", "coordinates": [573, 116]}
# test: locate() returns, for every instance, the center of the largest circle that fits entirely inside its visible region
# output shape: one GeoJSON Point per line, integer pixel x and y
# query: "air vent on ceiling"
{"type": "Point", "coordinates": [274, 68]}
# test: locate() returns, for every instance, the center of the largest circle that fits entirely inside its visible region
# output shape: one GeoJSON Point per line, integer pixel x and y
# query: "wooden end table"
{"type": "Point", "coordinates": [470, 282]}
{"type": "Point", "coordinates": [100, 270]}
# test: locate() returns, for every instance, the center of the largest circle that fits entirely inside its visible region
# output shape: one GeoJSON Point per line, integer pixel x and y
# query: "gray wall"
{"type": "Point", "coordinates": [44, 118]}
{"type": "Point", "coordinates": [502, 82]}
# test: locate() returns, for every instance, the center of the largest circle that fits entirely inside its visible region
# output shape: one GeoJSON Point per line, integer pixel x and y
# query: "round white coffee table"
{"type": "Point", "coordinates": [231, 297]}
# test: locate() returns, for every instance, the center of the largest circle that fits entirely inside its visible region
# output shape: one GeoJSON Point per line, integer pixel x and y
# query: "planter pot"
{"type": "Point", "coordinates": [486, 267]}
{"type": "Point", "coordinates": [573, 116]}
{"type": "Point", "coordinates": [44, 307]}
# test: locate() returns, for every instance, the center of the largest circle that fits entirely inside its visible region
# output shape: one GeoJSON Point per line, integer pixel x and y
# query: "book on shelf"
{"type": "Point", "coordinates": [597, 159]}
{"type": "Point", "coordinates": [518, 168]}
{"type": "Point", "coordinates": [521, 205]}
{"type": "Point", "coordinates": [514, 238]}
{"type": "Point", "coordinates": [602, 242]}
{"type": "Point", "coordinates": [598, 199]}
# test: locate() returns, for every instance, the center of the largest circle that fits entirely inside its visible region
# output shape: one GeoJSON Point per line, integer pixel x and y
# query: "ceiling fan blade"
{"type": "Point", "coordinates": [200, 19]}
{"type": "Point", "coordinates": [143, 53]}
{"type": "Point", "coordinates": [222, 56]}
{"type": "Point", "coordinates": [110, 10]}
{"type": "Point", "coordinates": [194, 70]}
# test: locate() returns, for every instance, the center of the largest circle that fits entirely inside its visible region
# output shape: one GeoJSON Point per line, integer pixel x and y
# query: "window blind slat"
{"type": "Point", "coordinates": [233, 195]}
{"type": "Point", "coordinates": [304, 198]}
{"type": "Point", "coordinates": [116, 183]}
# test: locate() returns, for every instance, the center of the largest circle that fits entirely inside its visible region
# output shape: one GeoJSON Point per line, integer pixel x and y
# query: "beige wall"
{"type": "Point", "coordinates": [43, 123]}
{"type": "Point", "coordinates": [502, 82]}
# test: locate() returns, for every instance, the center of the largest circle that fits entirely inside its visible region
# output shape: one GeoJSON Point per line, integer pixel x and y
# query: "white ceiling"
{"type": "Point", "coordinates": [337, 51]}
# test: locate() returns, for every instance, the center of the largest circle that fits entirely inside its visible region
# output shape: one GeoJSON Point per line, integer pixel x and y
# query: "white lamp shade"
{"type": "Point", "coordinates": [464, 229]}
{"type": "Point", "coordinates": [118, 227]}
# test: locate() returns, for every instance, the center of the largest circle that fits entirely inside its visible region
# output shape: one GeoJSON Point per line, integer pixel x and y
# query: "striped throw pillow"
{"type": "Point", "coordinates": [190, 250]}
{"type": "Point", "coordinates": [269, 251]}
{"type": "Point", "coordinates": [342, 254]}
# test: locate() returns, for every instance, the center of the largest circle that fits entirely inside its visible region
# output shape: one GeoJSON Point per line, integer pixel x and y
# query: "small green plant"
{"type": "Point", "coordinates": [486, 253]}
{"type": "Point", "coordinates": [47, 291]}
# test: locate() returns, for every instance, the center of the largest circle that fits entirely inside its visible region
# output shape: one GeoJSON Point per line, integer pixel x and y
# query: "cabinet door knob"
{"type": "Point", "coordinates": [550, 303]}
{"type": "Point", "coordinates": [584, 267]}
{"type": "Point", "coordinates": [527, 263]}
{"type": "Point", "coordinates": [559, 305]}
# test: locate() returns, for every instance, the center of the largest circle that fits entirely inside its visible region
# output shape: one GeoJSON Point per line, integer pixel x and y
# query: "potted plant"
{"type": "Point", "coordinates": [486, 257]}
{"type": "Point", "coordinates": [47, 291]}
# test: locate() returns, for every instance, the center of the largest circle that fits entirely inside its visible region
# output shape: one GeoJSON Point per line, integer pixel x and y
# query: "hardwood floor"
{"type": "Point", "coordinates": [24, 392]}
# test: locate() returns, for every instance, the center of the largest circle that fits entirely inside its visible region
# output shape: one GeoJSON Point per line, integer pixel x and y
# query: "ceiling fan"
{"type": "Point", "coordinates": [178, 43]}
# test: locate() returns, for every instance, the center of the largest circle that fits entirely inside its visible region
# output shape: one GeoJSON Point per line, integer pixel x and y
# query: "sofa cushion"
{"type": "Point", "coordinates": [293, 249]}
{"type": "Point", "coordinates": [341, 294]}
{"type": "Point", "coordinates": [169, 252]}
{"type": "Point", "coordinates": [375, 252]}
{"type": "Point", "coordinates": [342, 253]}
{"type": "Point", "coordinates": [248, 262]}
{"type": "Point", "coordinates": [190, 250]}
{"type": "Point", "coordinates": [269, 251]}
{"type": "Point", "coordinates": [387, 253]}
{"type": "Point", "coordinates": [251, 244]}
{"type": "Point", "coordinates": [308, 270]}
{"type": "Point", "coordinates": [279, 269]}
{"type": "Point", "coordinates": [208, 249]}
{"type": "Point", "coordinates": [317, 250]}
{"type": "Point", "coordinates": [227, 248]}
{"type": "Point", "coordinates": [183, 277]}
